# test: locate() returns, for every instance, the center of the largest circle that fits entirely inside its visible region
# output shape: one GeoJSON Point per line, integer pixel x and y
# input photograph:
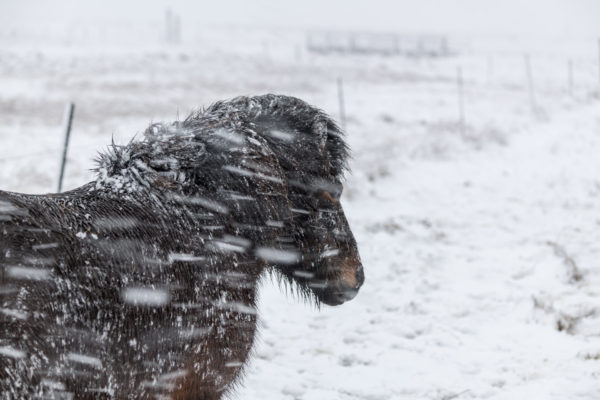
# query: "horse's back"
{"type": "Point", "coordinates": [30, 293]}
{"type": "Point", "coordinates": [100, 297]}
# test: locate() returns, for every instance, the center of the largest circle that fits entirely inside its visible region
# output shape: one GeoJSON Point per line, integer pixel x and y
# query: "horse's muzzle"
{"type": "Point", "coordinates": [345, 288]}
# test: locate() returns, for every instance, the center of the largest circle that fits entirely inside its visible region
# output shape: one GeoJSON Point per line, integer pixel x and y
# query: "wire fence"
{"type": "Point", "coordinates": [578, 77]}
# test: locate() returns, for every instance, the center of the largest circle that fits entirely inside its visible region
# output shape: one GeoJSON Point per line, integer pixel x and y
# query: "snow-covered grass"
{"type": "Point", "coordinates": [480, 245]}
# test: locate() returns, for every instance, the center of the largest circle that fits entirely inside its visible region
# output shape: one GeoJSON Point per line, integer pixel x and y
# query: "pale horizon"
{"type": "Point", "coordinates": [577, 18]}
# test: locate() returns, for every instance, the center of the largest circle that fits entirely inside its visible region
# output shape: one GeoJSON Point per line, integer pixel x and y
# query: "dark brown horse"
{"type": "Point", "coordinates": [142, 283]}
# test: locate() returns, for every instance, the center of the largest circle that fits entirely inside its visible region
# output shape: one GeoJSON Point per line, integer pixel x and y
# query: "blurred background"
{"type": "Point", "coordinates": [473, 193]}
{"type": "Point", "coordinates": [127, 63]}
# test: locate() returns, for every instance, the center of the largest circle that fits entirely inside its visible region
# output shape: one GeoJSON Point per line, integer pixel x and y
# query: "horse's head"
{"type": "Point", "coordinates": [312, 154]}
{"type": "Point", "coordinates": [287, 156]}
{"type": "Point", "coordinates": [330, 264]}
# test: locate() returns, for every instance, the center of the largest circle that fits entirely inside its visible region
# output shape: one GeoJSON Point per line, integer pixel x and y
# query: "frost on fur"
{"type": "Point", "coordinates": [142, 283]}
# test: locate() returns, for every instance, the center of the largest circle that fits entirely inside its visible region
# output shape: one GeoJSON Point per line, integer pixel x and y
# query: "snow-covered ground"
{"type": "Point", "coordinates": [480, 245]}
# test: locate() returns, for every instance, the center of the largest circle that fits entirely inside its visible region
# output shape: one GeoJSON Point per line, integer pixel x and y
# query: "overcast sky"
{"type": "Point", "coordinates": [541, 17]}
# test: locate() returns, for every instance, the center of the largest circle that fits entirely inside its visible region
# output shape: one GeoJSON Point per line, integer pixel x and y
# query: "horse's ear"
{"type": "Point", "coordinates": [319, 128]}
{"type": "Point", "coordinates": [332, 143]}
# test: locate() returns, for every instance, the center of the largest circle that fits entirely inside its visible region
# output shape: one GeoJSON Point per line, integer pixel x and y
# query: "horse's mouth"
{"type": "Point", "coordinates": [335, 298]}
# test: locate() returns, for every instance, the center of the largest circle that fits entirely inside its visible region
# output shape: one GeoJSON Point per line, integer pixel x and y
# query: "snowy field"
{"type": "Point", "coordinates": [481, 244]}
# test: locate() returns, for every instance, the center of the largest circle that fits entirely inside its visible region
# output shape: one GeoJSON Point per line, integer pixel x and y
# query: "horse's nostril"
{"type": "Point", "coordinates": [343, 290]}
{"type": "Point", "coordinates": [351, 272]}
{"type": "Point", "coordinates": [347, 284]}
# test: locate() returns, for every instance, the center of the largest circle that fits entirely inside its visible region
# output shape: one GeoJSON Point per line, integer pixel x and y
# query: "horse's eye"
{"type": "Point", "coordinates": [332, 195]}
{"type": "Point", "coordinates": [336, 191]}
{"type": "Point", "coordinates": [331, 191]}
{"type": "Point", "coordinates": [327, 195]}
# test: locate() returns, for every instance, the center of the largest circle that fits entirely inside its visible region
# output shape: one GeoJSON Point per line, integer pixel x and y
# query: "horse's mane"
{"type": "Point", "coordinates": [169, 151]}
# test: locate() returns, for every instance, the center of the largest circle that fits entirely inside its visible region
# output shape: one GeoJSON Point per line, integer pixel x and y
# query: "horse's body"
{"type": "Point", "coordinates": [142, 283]}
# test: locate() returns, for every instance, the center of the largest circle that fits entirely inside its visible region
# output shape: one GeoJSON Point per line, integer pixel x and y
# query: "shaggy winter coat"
{"type": "Point", "coordinates": [142, 283]}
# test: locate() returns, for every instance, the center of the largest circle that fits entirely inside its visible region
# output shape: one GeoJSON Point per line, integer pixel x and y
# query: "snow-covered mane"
{"type": "Point", "coordinates": [170, 152]}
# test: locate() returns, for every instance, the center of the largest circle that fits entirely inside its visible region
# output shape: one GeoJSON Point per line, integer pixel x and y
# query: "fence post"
{"type": "Point", "coordinates": [168, 25]}
{"type": "Point", "coordinates": [67, 136]}
{"type": "Point", "coordinates": [490, 69]}
{"type": "Point", "coordinates": [570, 77]}
{"type": "Point", "coordinates": [341, 103]}
{"type": "Point", "coordinates": [530, 82]}
{"type": "Point", "coordinates": [172, 27]}
{"type": "Point", "coordinates": [461, 108]}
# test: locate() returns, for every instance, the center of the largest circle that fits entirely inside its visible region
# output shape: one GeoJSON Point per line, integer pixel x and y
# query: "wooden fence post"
{"type": "Point", "coordinates": [530, 82]}
{"type": "Point", "coordinates": [570, 76]}
{"type": "Point", "coordinates": [340, 87]}
{"type": "Point", "coordinates": [461, 107]}
{"type": "Point", "coordinates": [490, 69]}
{"type": "Point", "coordinates": [66, 146]}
